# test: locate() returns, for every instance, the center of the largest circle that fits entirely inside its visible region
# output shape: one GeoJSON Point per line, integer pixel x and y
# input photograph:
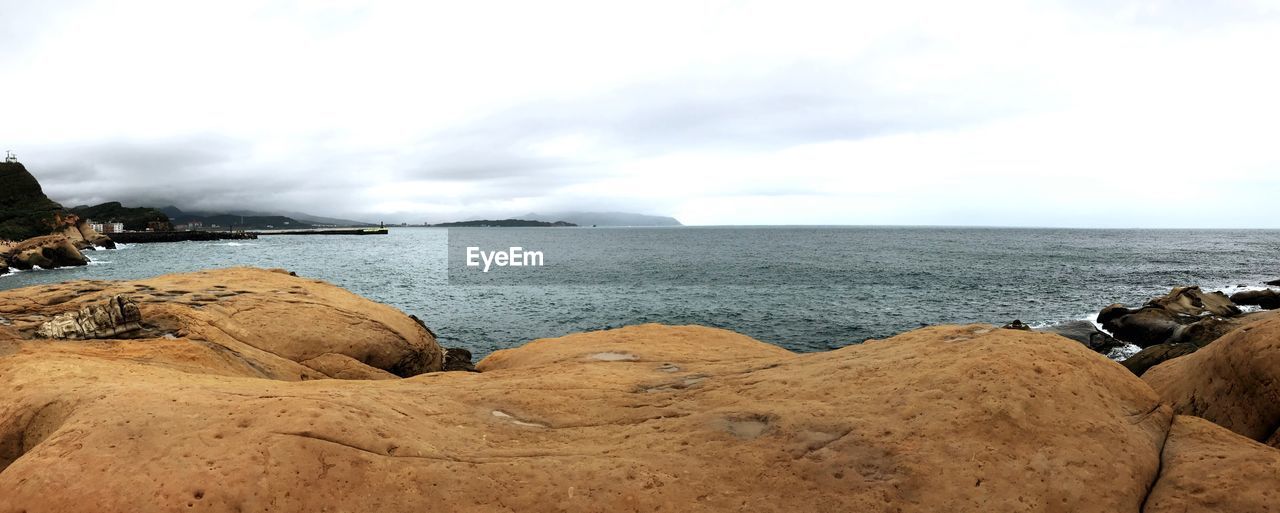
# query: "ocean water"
{"type": "Point", "coordinates": [803, 288]}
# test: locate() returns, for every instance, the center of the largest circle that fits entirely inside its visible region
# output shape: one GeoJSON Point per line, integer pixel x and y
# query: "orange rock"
{"type": "Point", "coordinates": [1209, 469]}
{"type": "Point", "coordinates": [643, 418]}
{"type": "Point", "coordinates": [1233, 382]}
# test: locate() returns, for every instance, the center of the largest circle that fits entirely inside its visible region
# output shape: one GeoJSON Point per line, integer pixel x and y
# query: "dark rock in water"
{"type": "Point", "coordinates": [109, 319]}
{"type": "Point", "coordinates": [458, 359]}
{"type": "Point", "coordinates": [1185, 314]}
{"type": "Point", "coordinates": [1155, 355]}
{"type": "Point", "coordinates": [4, 265]}
{"type": "Point", "coordinates": [1274, 282]}
{"type": "Point", "coordinates": [1193, 301]}
{"type": "Point", "coordinates": [1017, 324]}
{"type": "Point", "coordinates": [47, 252]}
{"type": "Point", "coordinates": [1145, 327]}
{"type": "Point", "coordinates": [1085, 333]}
{"type": "Point", "coordinates": [1266, 299]}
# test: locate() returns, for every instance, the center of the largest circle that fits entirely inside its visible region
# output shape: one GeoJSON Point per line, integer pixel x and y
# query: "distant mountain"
{"type": "Point", "coordinates": [503, 223]}
{"type": "Point", "coordinates": [606, 219]}
{"type": "Point", "coordinates": [134, 218]}
{"type": "Point", "coordinates": [227, 220]}
{"type": "Point", "coordinates": [273, 218]}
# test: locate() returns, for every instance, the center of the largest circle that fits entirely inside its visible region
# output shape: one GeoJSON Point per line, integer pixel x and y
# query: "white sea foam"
{"type": "Point", "coordinates": [1123, 352]}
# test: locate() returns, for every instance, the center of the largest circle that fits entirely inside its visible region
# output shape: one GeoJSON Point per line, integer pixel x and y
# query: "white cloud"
{"type": "Point", "coordinates": [1069, 114]}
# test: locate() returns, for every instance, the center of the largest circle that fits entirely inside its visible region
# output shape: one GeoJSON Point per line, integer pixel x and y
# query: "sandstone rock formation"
{"type": "Point", "coordinates": [1267, 299]}
{"type": "Point", "coordinates": [208, 412]}
{"type": "Point", "coordinates": [1173, 325]}
{"type": "Point", "coordinates": [249, 322]}
{"type": "Point", "coordinates": [111, 318]}
{"type": "Point", "coordinates": [1209, 469]}
{"type": "Point", "coordinates": [46, 252]}
{"type": "Point", "coordinates": [1233, 382]}
{"type": "Point", "coordinates": [1193, 301]}
{"type": "Point", "coordinates": [84, 236]}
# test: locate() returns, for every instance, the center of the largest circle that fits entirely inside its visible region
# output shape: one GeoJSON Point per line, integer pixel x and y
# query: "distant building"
{"type": "Point", "coordinates": [109, 227]}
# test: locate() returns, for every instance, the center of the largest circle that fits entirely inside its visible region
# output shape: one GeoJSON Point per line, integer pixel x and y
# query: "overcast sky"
{"type": "Point", "coordinates": [1091, 113]}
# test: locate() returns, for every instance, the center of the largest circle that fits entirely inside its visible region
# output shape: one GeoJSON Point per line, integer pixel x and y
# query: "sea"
{"type": "Point", "coordinates": [805, 288]}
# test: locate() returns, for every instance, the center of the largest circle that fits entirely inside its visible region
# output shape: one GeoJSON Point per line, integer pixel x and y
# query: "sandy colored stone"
{"type": "Point", "coordinates": [1193, 301]}
{"type": "Point", "coordinates": [339, 366]}
{"type": "Point", "coordinates": [266, 328]}
{"type": "Point", "coordinates": [1209, 469]}
{"type": "Point", "coordinates": [1233, 382]}
{"type": "Point", "coordinates": [47, 252]}
{"type": "Point", "coordinates": [110, 318]}
{"type": "Point", "coordinates": [644, 418]}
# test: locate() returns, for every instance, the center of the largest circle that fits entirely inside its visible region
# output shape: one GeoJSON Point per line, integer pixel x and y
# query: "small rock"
{"type": "Point", "coordinates": [458, 359]}
{"type": "Point", "coordinates": [1017, 324]}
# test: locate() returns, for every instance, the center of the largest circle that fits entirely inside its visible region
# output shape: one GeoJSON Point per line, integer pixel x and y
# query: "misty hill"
{"type": "Point", "coordinates": [25, 211]}
{"type": "Point", "coordinates": [300, 216]}
{"type": "Point", "coordinates": [134, 218]}
{"type": "Point", "coordinates": [260, 219]}
{"type": "Point", "coordinates": [503, 223]}
{"type": "Point", "coordinates": [606, 219]}
{"type": "Point", "coordinates": [225, 220]}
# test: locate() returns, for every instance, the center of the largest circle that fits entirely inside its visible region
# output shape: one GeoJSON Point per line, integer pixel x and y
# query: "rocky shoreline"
{"type": "Point", "coordinates": [248, 389]}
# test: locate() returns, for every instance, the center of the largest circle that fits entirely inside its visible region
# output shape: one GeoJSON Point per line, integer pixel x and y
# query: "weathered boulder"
{"type": "Point", "coordinates": [1155, 355]}
{"type": "Point", "coordinates": [1267, 299]}
{"type": "Point", "coordinates": [245, 322]}
{"type": "Point", "coordinates": [1085, 333]}
{"type": "Point", "coordinates": [458, 359]}
{"type": "Point", "coordinates": [83, 236]}
{"type": "Point", "coordinates": [1184, 315]}
{"type": "Point", "coordinates": [641, 418]}
{"type": "Point", "coordinates": [111, 318]}
{"type": "Point", "coordinates": [1144, 327]}
{"type": "Point", "coordinates": [1195, 302]}
{"type": "Point", "coordinates": [1209, 469]}
{"type": "Point", "coordinates": [4, 264]}
{"type": "Point", "coordinates": [46, 252]}
{"type": "Point", "coordinates": [1233, 382]}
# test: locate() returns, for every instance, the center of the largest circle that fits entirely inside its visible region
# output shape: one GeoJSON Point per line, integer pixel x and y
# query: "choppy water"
{"type": "Point", "coordinates": [804, 288]}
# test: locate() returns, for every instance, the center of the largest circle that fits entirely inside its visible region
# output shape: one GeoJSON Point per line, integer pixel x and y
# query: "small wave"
{"type": "Point", "coordinates": [233, 244]}
{"type": "Point", "coordinates": [98, 262]}
{"type": "Point", "coordinates": [1232, 289]}
{"type": "Point", "coordinates": [1123, 352]}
